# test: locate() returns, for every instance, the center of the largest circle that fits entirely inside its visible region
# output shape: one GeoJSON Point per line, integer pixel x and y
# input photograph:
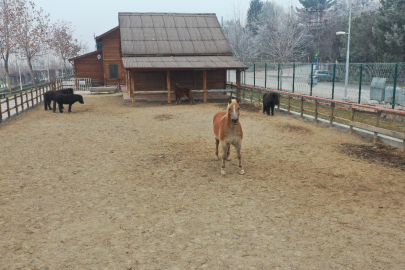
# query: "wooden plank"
{"type": "Point", "coordinates": [387, 132]}
{"type": "Point", "coordinates": [341, 119]}
{"type": "Point", "coordinates": [168, 87]}
{"type": "Point", "coordinates": [289, 105]}
{"type": "Point", "coordinates": [22, 102]}
{"type": "Point", "coordinates": [26, 99]}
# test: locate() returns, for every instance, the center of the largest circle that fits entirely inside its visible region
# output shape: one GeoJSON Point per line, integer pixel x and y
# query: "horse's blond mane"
{"type": "Point", "coordinates": [233, 102]}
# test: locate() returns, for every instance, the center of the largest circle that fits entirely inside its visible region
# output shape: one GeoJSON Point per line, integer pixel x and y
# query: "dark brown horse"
{"type": "Point", "coordinates": [228, 131]}
{"type": "Point", "coordinates": [180, 92]}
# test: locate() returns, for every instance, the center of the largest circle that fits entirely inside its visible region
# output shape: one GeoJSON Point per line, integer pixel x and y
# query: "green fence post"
{"type": "Point", "coordinates": [361, 77]}
{"type": "Point", "coordinates": [333, 81]}
{"type": "Point", "coordinates": [395, 86]}
{"type": "Point", "coordinates": [278, 77]}
{"type": "Point", "coordinates": [312, 79]}
{"type": "Point", "coordinates": [293, 77]}
{"type": "Point", "coordinates": [265, 75]}
{"type": "Point", "coordinates": [254, 74]}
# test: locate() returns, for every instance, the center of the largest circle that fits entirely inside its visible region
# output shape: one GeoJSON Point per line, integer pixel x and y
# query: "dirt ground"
{"type": "Point", "coordinates": [116, 186]}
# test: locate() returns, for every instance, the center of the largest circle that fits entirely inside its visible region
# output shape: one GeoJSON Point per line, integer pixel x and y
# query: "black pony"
{"type": "Point", "coordinates": [50, 95]}
{"type": "Point", "coordinates": [66, 99]}
{"type": "Point", "coordinates": [269, 101]}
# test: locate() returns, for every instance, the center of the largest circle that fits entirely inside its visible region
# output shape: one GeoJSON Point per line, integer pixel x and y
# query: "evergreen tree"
{"type": "Point", "coordinates": [253, 14]}
{"type": "Point", "coordinates": [321, 5]}
{"type": "Point", "coordinates": [390, 31]}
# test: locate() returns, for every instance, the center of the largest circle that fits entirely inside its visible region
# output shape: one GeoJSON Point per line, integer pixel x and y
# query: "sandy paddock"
{"type": "Point", "coordinates": [112, 186]}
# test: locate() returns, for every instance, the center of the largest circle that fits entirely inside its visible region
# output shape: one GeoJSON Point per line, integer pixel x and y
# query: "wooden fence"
{"type": "Point", "coordinates": [25, 100]}
{"type": "Point", "coordinates": [247, 93]}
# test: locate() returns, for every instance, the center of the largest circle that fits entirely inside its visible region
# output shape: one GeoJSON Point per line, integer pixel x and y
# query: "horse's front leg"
{"type": "Point", "coordinates": [216, 148]}
{"type": "Point", "coordinates": [228, 158]}
{"type": "Point", "coordinates": [60, 107]}
{"type": "Point", "coordinates": [70, 108]}
{"type": "Point", "coordinates": [225, 148]}
{"type": "Point", "coordinates": [238, 146]}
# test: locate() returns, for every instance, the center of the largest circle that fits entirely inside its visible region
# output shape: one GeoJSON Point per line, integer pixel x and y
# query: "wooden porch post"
{"type": "Point", "coordinates": [238, 83]}
{"type": "Point", "coordinates": [168, 87]}
{"type": "Point", "coordinates": [132, 75]}
{"type": "Point", "coordinates": [205, 85]}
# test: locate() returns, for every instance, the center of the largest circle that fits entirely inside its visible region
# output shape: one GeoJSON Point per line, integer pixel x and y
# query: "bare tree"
{"type": "Point", "coordinates": [283, 37]}
{"type": "Point", "coordinates": [241, 39]}
{"type": "Point", "coordinates": [10, 18]}
{"type": "Point", "coordinates": [33, 33]}
{"type": "Point", "coordinates": [62, 42]}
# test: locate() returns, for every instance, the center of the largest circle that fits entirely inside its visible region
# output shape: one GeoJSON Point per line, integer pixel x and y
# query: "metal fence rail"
{"type": "Point", "coordinates": [295, 78]}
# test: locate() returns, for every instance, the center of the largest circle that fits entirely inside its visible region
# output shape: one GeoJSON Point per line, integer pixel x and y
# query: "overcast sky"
{"type": "Point", "coordinates": [91, 17]}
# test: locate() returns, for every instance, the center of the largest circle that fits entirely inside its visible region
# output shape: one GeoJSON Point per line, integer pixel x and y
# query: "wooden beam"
{"type": "Point", "coordinates": [205, 85]}
{"type": "Point", "coordinates": [238, 83]}
{"type": "Point", "coordinates": [168, 87]}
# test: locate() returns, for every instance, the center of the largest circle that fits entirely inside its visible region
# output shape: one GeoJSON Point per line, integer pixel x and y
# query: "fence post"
{"type": "Point", "coordinates": [254, 74]}
{"type": "Point", "coordinates": [265, 76]}
{"type": "Point", "coordinates": [36, 95]}
{"type": "Point", "coordinates": [302, 107]}
{"type": "Point", "coordinates": [312, 79]}
{"type": "Point", "coordinates": [8, 107]}
{"type": "Point", "coordinates": [395, 86]}
{"type": "Point", "coordinates": [244, 77]}
{"type": "Point", "coordinates": [333, 81]}
{"type": "Point", "coordinates": [293, 77]}
{"type": "Point", "coordinates": [26, 99]}
{"type": "Point", "coordinates": [361, 77]}
{"type": "Point", "coordinates": [332, 107]}
{"type": "Point", "coordinates": [352, 119]}
{"type": "Point", "coordinates": [229, 75]}
{"type": "Point", "coordinates": [32, 98]}
{"type": "Point", "coordinates": [16, 104]}
{"type": "Point", "coordinates": [251, 97]}
{"type": "Point", "coordinates": [377, 124]}
{"type": "Point", "coordinates": [22, 101]}
{"type": "Point", "coordinates": [289, 105]}
{"type": "Point", "coordinates": [316, 111]}
{"type": "Point", "coordinates": [260, 94]}
{"type": "Point", "coordinates": [278, 77]}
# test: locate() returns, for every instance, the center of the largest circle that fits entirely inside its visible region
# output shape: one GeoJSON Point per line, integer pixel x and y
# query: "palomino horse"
{"type": "Point", "coordinates": [228, 130]}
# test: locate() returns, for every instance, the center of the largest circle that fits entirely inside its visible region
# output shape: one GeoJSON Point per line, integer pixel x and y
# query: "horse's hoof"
{"type": "Point", "coordinates": [223, 172]}
{"type": "Point", "coordinates": [242, 171]}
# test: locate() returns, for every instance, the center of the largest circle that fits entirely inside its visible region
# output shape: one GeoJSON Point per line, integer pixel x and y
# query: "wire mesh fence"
{"type": "Point", "coordinates": [367, 83]}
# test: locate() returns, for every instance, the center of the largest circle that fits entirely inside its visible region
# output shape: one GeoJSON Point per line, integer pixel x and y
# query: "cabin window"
{"type": "Point", "coordinates": [113, 71]}
{"type": "Point", "coordinates": [99, 45]}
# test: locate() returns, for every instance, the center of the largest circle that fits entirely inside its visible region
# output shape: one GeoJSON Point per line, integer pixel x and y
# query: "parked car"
{"type": "Point", "coordinates": [323, 75]}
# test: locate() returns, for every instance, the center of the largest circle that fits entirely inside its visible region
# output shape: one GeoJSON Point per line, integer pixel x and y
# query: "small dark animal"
{"type": "Point", "coordinates": [50, 95]}
{"type": "Point", "coordinates": [180, 92]}
{"type": "Point", "coordinates": [66, 99]}
{"type": "Point", "coordinates": [270, 100]}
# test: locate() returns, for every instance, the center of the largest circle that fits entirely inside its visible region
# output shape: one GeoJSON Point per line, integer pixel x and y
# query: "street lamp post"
{"type": "Point", "coordinates": [347, 52]}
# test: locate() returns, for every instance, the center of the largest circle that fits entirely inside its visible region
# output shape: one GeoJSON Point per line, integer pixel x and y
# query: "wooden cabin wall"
{"type": "Point", "coordinates": [89, 67]}
{"type": "Point", "coordinates": [150, 81]}
{"type": "Point", "coordinates": [112, 55]}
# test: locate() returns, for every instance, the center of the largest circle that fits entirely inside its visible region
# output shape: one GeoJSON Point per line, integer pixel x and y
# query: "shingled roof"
{"type": "Point", "coordinates": [172, 34]}
{"type": "Point", "coordinates": [174, 40]}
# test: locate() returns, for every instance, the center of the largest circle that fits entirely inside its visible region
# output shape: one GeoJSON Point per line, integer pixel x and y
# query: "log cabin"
{"type": "Point", "coordinates": [161, 49]}
{"type": "Point", "coordinates": [103, 66]}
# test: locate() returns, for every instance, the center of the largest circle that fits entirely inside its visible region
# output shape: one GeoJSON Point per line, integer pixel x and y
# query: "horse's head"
{"type": "Point", "coordinates": [233, 110]}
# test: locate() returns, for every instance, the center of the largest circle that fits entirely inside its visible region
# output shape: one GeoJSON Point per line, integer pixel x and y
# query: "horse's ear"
{"type": "Point", "coordinates": [230, 101]}
{"type": "Point", "coordinates": [238, 100]}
